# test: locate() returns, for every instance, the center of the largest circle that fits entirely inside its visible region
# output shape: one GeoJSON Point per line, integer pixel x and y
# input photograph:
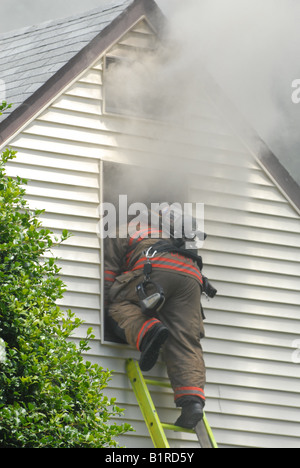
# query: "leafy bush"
{"type": "Point", "coordinates": [49, 396]}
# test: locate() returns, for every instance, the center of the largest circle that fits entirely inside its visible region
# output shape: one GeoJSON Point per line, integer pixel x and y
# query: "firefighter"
{"type": "Point", "coordinates": [142, 270]}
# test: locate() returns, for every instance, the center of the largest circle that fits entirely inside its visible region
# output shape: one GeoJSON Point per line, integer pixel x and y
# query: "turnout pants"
{"type": "Point", "coordinates": [181, 314]}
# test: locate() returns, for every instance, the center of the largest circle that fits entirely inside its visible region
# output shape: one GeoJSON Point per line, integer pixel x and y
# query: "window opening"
{"type": "Point", "coordinates": [142, 185]}
{"type": "Point", "coordinates": [138, 88]}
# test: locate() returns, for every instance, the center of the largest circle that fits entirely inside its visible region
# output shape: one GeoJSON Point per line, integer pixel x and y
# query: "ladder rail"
{"type": "Point", "coordinates": [154, 425]}
{"type": "Point", "coordinates": [209, 432]}
{"type": "Point", "coordinates": [146, 405]}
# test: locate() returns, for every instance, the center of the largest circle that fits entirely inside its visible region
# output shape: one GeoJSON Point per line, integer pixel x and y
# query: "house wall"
{"type": "Point", "coordinates": [251, 254]}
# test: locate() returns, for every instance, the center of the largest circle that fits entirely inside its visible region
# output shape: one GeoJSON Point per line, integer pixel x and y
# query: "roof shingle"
{"type": "Point", "coordinates": [30, 56]}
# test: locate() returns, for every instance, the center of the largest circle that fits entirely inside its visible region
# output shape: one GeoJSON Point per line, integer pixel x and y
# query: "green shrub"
{"type": "Point", "coordinates": [49, 396]}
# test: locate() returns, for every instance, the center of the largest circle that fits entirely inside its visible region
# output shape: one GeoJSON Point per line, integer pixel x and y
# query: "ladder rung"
{"type": "Point", "coordinates": [158, 383]}
{"type": "Point", "coordinates": [172, 427]}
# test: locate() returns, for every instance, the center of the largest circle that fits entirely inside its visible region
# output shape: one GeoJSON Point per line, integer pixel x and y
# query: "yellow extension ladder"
{"type": "Point", "coordinates": [155, 426]}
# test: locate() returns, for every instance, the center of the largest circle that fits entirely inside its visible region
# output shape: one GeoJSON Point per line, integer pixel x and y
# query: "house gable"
{"type": "Point", "coordinates": [251, 254]}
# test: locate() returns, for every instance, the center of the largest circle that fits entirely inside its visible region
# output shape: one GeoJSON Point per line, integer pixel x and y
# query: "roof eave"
{"type": "Point", "coordinates": [280, 176]}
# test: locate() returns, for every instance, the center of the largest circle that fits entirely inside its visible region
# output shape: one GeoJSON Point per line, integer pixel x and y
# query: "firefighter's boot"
{"type": "Point", "coordinates": [150, 346]}
{"type": "Point", "coordinates": [191, 414]}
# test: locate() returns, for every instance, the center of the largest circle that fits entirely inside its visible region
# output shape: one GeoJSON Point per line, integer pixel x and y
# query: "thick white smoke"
{"type": "Point", "coordinates": [169, 85]}
{"type": "Point", "coordinates": [251, 48]}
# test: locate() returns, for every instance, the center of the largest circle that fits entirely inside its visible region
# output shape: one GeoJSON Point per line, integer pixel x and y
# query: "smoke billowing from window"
{"type": "Point", "coordinates": [246, 46]}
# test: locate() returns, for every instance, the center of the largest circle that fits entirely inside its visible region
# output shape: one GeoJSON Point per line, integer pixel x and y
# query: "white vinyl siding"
{"type": "Point", "coordinates": [251, 254]}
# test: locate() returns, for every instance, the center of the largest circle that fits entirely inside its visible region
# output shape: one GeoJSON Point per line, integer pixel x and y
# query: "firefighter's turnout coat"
{"type": "Point", "coordinates": [181, 280]}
